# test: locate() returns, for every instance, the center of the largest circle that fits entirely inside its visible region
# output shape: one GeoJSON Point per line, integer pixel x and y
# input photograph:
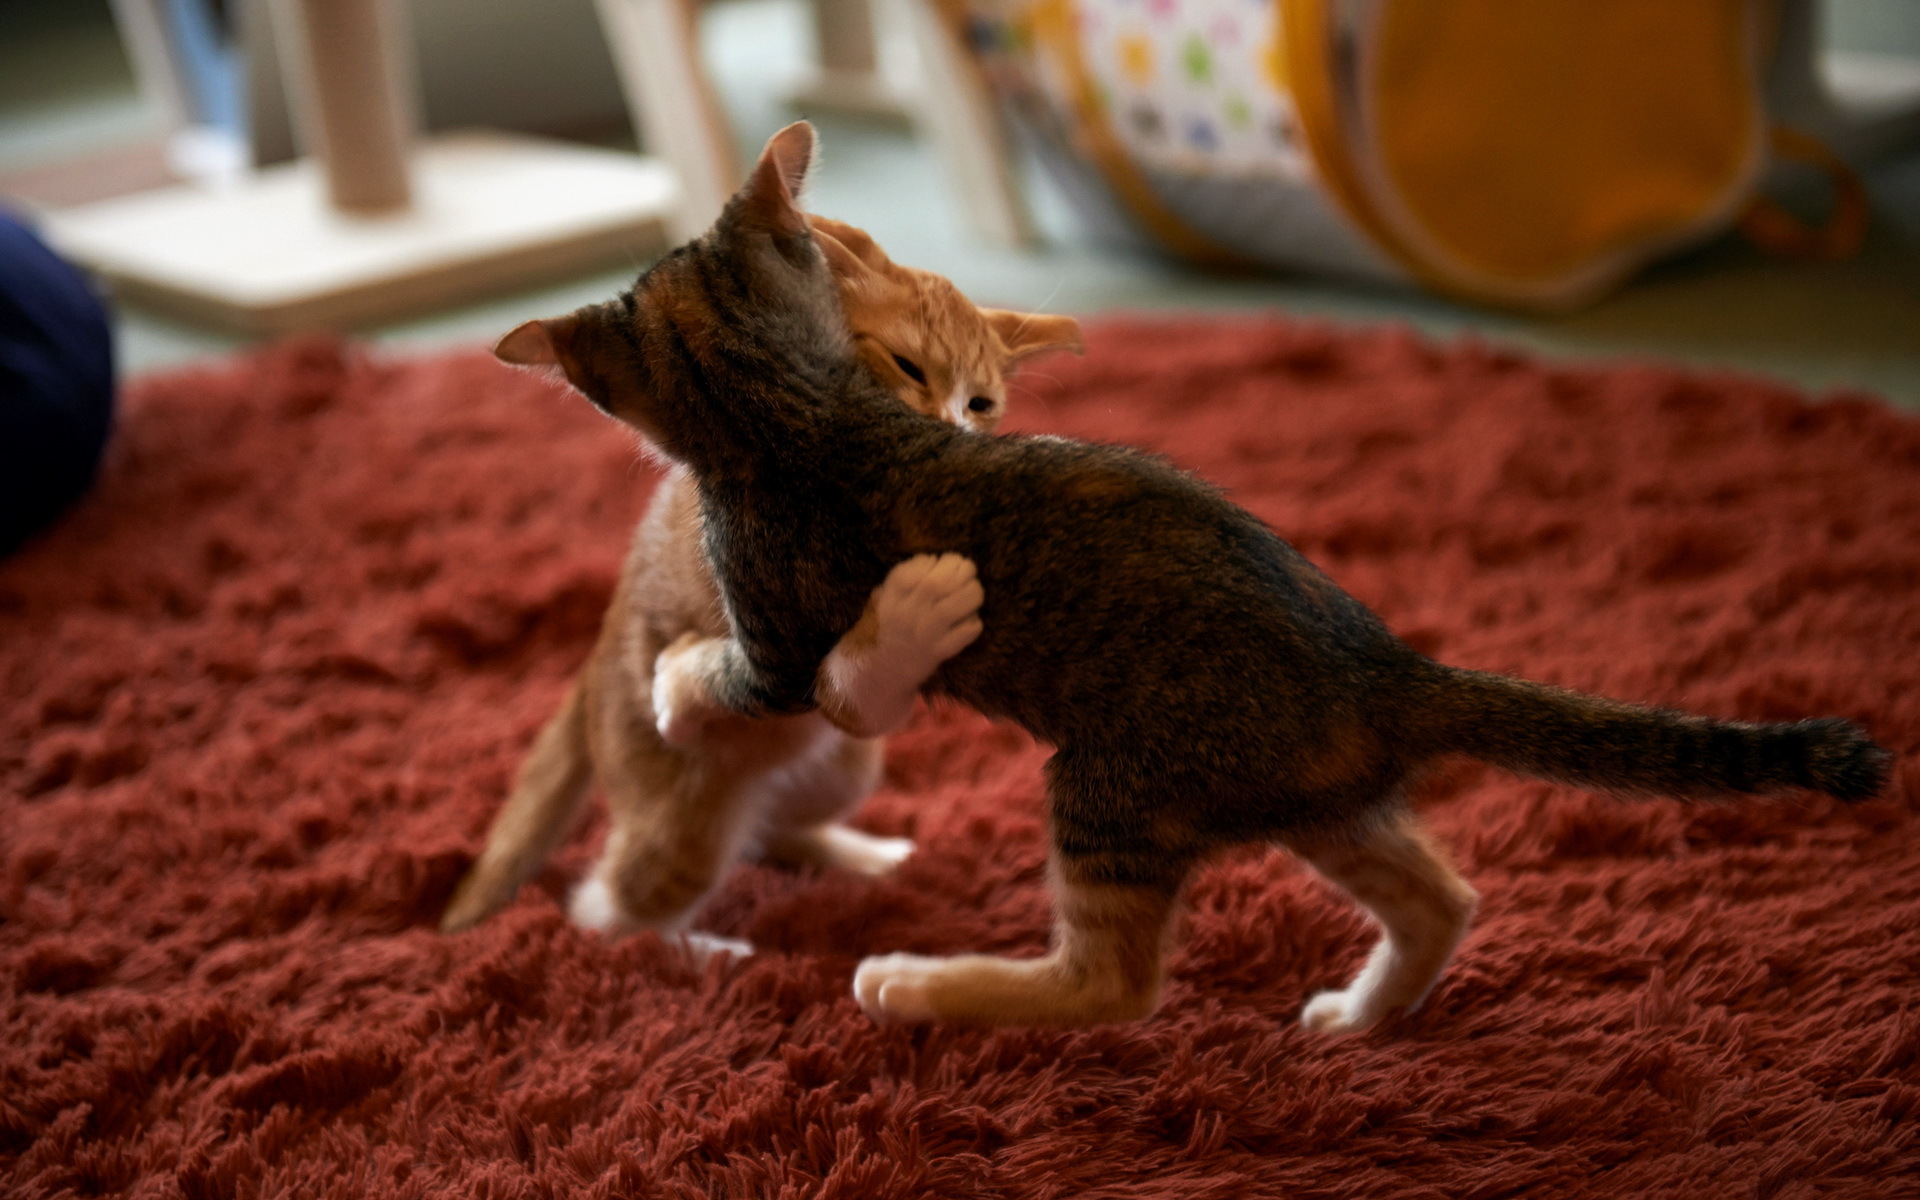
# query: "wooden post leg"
{"type": "Point", "coordinates": [143, 35]}
{"type": "Point", "coordinates": [352, 97]}
{"type": "Point", "coordinates": [848, 78]}
{"type": "Point", "coordinates": [657, 54]}
{"type": "Point", "coordinates": [845, 32]}
{"type": "Point", "coordinates": [966, 131]}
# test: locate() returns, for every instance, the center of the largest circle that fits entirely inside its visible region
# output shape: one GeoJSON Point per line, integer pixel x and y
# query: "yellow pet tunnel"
{"type": "Point", "coordinates": [1530, 153]}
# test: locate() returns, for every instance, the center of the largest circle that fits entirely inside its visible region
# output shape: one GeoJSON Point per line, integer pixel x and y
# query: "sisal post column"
{"type": "Point", "coordinates": [845, 32]}
{"type": "Point", "coordinates": [352, 101]}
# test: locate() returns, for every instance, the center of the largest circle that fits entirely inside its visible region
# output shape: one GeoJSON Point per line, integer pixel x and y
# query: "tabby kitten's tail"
{"type": "Point", "coordinates": [1551, 733]}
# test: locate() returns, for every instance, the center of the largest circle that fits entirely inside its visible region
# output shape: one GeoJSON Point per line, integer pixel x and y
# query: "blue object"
{"type": "Point", "coordinates": [56, 384]}
{"type": "Point", "coordinates": [205, 58]}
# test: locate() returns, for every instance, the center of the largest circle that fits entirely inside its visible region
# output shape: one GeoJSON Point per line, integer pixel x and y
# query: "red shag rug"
{"type": "Point", "coordinates": [265, 689]}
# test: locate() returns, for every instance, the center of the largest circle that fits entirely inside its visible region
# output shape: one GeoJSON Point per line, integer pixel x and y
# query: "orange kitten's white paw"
{"type": "Point", "coordinates": [682, 706]}
{"type": "Point", "coordinates": [864, 854]}
{"type": "Point", "coordinates": [896, 988]}
{"type": "Point", "coordinates": [593, 907]}
{"type": "Point", "coordinates": [705, 947]}
{"type": "Point", "coordinates": [880, 856]}
{"type": "Point", "coordinates": [1336, 1012]}
{"type": "Point", "coordinates": [929, 611]}
{"type": "Point", "coordinates": [925, 612]}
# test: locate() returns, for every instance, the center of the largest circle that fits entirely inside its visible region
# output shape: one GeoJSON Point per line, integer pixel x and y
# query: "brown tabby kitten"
{"type": "Point", "coordinates": [1203, 684]}
{"type": "Point", "coordinates": [687, 800]}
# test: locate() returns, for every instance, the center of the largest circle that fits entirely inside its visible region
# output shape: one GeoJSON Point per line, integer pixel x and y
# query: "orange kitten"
{"type": "Point", "coordinates": [691, 789]}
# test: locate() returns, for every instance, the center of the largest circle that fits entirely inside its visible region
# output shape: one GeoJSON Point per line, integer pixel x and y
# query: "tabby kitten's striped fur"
{"type": "Point", "coordinates": [1202, 683]}
{"type": "Point", "coordinates": [691, 788]}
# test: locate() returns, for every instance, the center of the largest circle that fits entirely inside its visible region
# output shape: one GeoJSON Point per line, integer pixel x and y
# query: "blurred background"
{"type": "Point", "coordinates": [77, 126]}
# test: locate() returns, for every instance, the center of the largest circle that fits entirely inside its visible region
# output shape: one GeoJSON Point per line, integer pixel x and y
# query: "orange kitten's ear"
{"type": "Point", "coordinates": [844, 263]}
{"type": "Point", "coordinates": [856, 240]}
{"type": "Point", "coordinates": [1028, 334]}
{"type": "Point", "coordinates": [774, 187]}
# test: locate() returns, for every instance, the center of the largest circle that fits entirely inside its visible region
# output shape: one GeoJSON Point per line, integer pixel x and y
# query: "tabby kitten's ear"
{"type": "Point", "coordinates": [530, 345]}
{"type": "Point", "coordinates": [546, 347]}
{"type": "Point", "coordinates": [561, 347]}
{"type": "Point", "coordinates": [1027, 334]}
{"type": "Point", "coordinates": [772, 191]}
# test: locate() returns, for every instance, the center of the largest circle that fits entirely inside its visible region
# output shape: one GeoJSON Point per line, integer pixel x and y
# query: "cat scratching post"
{"type": "Point", "coordinates": [373, 225]}
{"type": "Point", "coordinates": [848, 78]}
{"type": "Point", "coordinates": [353, 106]}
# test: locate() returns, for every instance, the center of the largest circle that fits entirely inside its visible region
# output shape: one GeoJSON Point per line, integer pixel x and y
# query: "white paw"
{"type": "Point", "coordinates": [680, 704]}
{"type": "Point", "coordinates": [864, 854]}
{"type": "Point", "coordinates": [884, 854]}
{"type": "Point", "coordinates": [928, 610]}
{"type": "Point", "coordinates": [895, 988]}
{"type": "Point", "coordinates": [705, 947]}
{"type": "Point", "coordinates": [1334, 1012]}
{"type": "Point", "coordinates": [593, 907]}
{"type": "Point", "coordinates": [931, 601]}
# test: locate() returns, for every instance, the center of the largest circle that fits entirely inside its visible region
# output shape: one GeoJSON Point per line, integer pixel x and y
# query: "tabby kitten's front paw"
{"type": "Point", "coordinates": [682, 706]}
{"type": "Point", "coordinates": [895, 988]}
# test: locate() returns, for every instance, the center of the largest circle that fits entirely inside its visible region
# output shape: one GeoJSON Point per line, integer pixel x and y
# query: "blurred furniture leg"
{"type": "Point", "coordinates": [656, 50]}
{"type": "Point", "coordinates": [350, 98]}
{"type": "Point", "coordinates": [143, 35]}
{"type": "Point", "coordinates": [963, 122]}
{"type": "Point", "coordinates": [372, 226]}
{"type": "Point", "coordinates": [849, 78]}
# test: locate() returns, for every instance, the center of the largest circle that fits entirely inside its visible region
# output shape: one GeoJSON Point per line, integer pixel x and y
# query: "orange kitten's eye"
{"type": "Point", "coordinates": [912, 369]}
{"type": "Point", "coordinates": [980, 404]}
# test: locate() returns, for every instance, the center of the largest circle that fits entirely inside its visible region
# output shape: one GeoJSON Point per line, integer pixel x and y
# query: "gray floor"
{"type": "Point", "coordinates": [64, 87]}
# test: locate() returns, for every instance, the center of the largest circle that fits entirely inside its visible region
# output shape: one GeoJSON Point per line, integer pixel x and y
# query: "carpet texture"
{"type": "Point", "coordinates": [265, 689]}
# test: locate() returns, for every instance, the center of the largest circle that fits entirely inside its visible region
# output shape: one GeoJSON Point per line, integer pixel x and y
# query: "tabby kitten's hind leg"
{"type": "Point", "coordinates": [1423, 906]}
{"type": "Point", "coordinates": [1105, 965]}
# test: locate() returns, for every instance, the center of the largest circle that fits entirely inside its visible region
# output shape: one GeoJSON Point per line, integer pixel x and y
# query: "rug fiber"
{"type": "Point", "coordinates": [265, 688]}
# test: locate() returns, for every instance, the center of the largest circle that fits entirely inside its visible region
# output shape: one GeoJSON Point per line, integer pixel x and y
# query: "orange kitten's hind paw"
{"type": "Point", "coordinates": [593, 907]}
{"type": "Point", "coordinates": [1329, 1012]}
{"type": "Point", "coordinates": [863, 853]}
{"type": "Point", "coordinates": [705, 947]}
{"type": "Point", "coordinates": [1351, 1011]}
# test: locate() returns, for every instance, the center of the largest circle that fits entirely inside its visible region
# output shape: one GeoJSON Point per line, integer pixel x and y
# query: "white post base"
{"type": "Point", "coordinates": [491, 213]}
